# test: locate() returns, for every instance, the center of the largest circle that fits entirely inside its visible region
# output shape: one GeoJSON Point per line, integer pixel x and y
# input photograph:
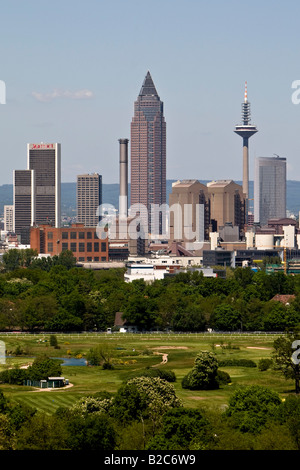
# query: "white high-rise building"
{"type": "Point", "coordinates": [269, 189]}
{"type": "Point", "coordinates": [8, 218]}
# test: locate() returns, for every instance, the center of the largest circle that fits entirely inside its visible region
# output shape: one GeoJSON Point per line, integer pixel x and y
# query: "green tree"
{"type": "Point", "coordinates": [37, 312]}
{"type": "Point", "coordinates": [44, 367]}
{"type": "Point", "coordinates": [42, 432]}
{"type": "Point", "coordinates": [140, 311]}
{"type": "Point", "coordinates": [226, 318]}
{"type": "Point", "coordinates": [288, 414]}
{"type": "Point", "coordinates": [99, 355]}
{"type": "Point", "coordinates": [144, 398]}
{"type": "Point", "coordinates": [204, 374]}
{"type": "Point", "coordinates": [182, 429]}
{"type": "Point", "coordinates": [250, 407]}
{"type": "Point", "coordinates": [93, 432]}
{"type": "Point", "coordinates": [15, 258]}
{"type": "Point", "coordinates": [285, 357]}
{"type": "Point", "coordinates": [274, 316]}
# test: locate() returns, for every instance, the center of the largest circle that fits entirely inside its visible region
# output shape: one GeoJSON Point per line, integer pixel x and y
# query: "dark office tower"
{"type": "Point", "coordinates": [45, 160]}
{"type": "Point", "coordinates": [24, 203]}
{"type": "Point", "coordinates": [89, 198]}
{"type": "Point", "coordinates": [269, 189]}
{"type": "Point", "coordinates": [245, 130]}
{"type": "Point", "coordinates": [148, 156]}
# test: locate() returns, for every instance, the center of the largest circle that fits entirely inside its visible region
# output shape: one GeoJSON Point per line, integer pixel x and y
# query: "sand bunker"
{"type": "Point", "coordinates": [171, 347]}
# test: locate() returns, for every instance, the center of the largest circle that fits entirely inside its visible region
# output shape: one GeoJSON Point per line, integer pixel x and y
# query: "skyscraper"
{"type": "Point", "coordinates": [89, 198]}
{"type": "Point", "coordinates": [24, 203]}
{"type": "Point", "coordinates": [45, 160]}
{"type": "Point", "coordinates": [269, 189]}
{"type": "Point", "coordinates": [148, 155]}
{"type": "Point", "coordinates": [246, 130]}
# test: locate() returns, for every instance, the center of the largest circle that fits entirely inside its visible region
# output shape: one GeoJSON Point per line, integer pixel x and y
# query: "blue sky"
{"type": "Point", "coordinates": [73, 69]}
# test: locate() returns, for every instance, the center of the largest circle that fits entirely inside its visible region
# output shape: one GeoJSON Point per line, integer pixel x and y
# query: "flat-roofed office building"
{"type": "Point", "coordinates": [227, 203]}
{"type": "Point", "coordinates": [24, 203]}
{"type": "Point", "coordinates": [269, 189]}
{"type": "Point", "coordinates": [45, 160]}
{"type": "Point", "coordinates": [89, 198]}
{"type": "Point", "coordinates": [189, 211]}
{"type": "Point", "coordinates": [9, 218]}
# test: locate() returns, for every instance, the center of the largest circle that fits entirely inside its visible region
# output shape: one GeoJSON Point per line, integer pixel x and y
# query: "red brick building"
{"type": "Point", "coordinates": [82, 241]}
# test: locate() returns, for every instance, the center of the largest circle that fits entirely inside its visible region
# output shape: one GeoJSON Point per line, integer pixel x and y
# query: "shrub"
{"type": "Point", "coordinates": [265, 364]}
{"type": "Point", "coordinates": [14, 376]}
{"type": "Point", "coordinates": [223, 377]}
{"type": "Point", "coordinates": [167, 375]}
{"type": "Point", "coordinates": [107, 366]}
{"type": "Point", "coordinates": [237, 363]}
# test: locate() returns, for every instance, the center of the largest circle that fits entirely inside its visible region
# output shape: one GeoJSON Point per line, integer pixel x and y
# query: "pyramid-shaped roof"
{"type": "Point", "coordinates": [148, 87]}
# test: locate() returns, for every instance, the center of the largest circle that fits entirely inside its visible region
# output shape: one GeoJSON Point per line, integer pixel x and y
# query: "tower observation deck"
{"type": "Point", "coordinates": [246, 130]}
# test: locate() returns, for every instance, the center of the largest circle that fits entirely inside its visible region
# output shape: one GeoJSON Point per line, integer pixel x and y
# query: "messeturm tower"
{"type": "Point", "coordinates": [148, 156]}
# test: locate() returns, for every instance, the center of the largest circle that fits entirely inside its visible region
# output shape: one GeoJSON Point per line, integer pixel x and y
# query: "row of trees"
{"type": "Point", "coordinates": [54, 294]}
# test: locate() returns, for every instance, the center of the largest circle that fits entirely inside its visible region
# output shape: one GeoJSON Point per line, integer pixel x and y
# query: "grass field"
{"type": "Point", "coordinates": [133, 352]}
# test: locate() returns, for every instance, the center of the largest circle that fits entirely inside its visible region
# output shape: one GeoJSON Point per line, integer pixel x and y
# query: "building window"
{"type": "Point", "coordinates": [103, 246]}
{"type": "Point", "coordinates": [96, 246]}
{"type": "Point", "coordinates": [81, 235]}
{"type": "Point", "coordinates": [103, 258]}
{"type": "Point", "coordinates": [89, 259]}
{"type": "Point", "coordinates": [89, 248]}
{"type": "Point", "coordinates": [73, 235]}
{"type": "Point", "coordinates": [80, 258]}
{"type": "Point", "coordinates": [64, 246]}
{"type": "Point", "coordinates": [65, 236]}
{"type": "Point", "coordinates": [73, 247]}
{"type": "Point", "coordinates": [50, 235]}
{"type": "Point", "coordinates": [81, 247]}
{"type": "Point", "coordinates": [50, 247]}
{"type": "Point", "coordinates": [96, 258]}
{"type": "Point", "coordinates": [89, 235]}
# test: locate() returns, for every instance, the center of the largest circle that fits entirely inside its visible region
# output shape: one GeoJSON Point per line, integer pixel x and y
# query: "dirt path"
{"type": "Point", "coordinates": [53, 389]}
{"type": "Point", "coordinates": [164, 359]}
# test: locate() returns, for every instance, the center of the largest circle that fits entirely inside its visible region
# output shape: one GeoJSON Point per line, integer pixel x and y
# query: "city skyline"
{"type": "Point", "coordinates": [200, 64]}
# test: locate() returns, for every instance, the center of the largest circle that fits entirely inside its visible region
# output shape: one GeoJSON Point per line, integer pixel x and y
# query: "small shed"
{"type": "Point", "coordinates": [56, 382]}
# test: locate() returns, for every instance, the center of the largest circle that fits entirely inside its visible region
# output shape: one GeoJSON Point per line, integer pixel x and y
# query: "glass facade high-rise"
{"type": "Point", "coordinates": [269, 189]}
{"type": "Point", "coordinates": [45, 160]}
{"type": "Point", "coordinates": [24, 203]}
{"type": "Point", "coordinates": [148, 157]}
{"type": "Point", "coordinates": [37, 190]}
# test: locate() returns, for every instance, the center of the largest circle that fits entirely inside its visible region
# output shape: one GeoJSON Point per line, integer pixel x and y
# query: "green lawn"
{"type": "Point", "coordinates": [131, 353]}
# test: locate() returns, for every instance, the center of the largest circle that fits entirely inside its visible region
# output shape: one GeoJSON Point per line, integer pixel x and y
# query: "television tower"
{"type": "Point", "coordinates": [245, 130]}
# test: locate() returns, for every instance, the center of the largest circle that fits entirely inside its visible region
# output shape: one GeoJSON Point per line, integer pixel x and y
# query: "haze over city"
{"type": "Point", "coordinates": [74, 69]}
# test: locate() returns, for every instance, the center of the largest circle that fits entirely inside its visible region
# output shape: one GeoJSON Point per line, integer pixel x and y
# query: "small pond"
{"type": "Point", "coordinates": [71, 361]}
